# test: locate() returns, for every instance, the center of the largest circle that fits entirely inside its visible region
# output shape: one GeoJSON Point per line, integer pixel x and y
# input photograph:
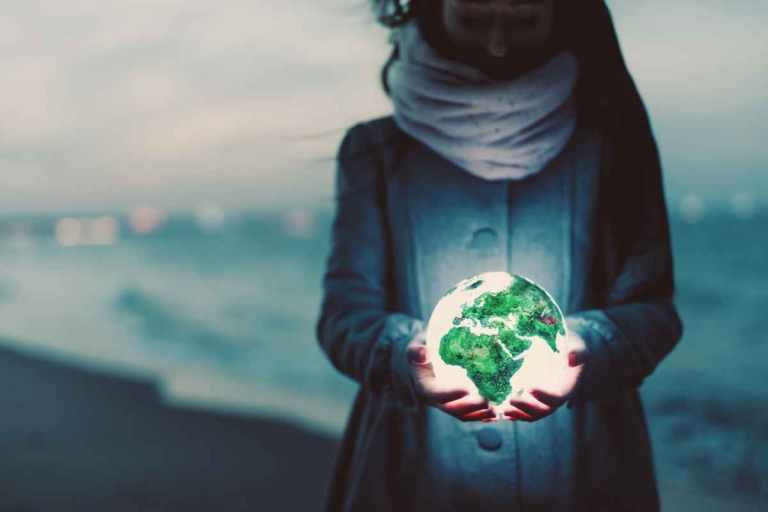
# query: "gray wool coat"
{"type": "Point", "coordinates": [591, 228]}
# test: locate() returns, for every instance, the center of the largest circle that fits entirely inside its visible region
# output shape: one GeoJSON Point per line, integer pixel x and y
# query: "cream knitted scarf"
{"type": "Point", "coordinates": [493, 129]}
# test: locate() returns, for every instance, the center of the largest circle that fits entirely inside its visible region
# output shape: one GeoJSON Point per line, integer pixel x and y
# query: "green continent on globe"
{"type": "Point", "coordinates": [488, 364]}
{"type": "Point", "coordinates": [489, 359]}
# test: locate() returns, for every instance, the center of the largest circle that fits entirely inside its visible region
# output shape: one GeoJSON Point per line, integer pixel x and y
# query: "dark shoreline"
{"type": "Point", "coordinates": [76, 439]}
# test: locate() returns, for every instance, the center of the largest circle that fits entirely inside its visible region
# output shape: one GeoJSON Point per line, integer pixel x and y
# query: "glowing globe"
{"type": "Point", "coordinates": [497, 334]}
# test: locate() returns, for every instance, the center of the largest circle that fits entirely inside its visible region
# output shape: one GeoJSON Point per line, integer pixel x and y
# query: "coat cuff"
{"type": "Point", "coordinates": [400, 330]}
{"type": "Point", "coordinates": [599, 380]}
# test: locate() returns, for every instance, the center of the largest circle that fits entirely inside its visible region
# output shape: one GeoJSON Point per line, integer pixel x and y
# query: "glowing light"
{"type": "Point", "coordinates": [691, 208]}
{"type": "Point", "coordinates": [146, 219]}
{"type": "Point", "coordinates": [102, 231]}
{"type": "Point", "coordinates": [210, 217]}
{"type": "Point", "coordinates": [743, 205]}
{"type": "Point", "coordinates": [299, 223]}
{"type": "Point", "coordinates": [69, 232]}
{"type": "Point", "coordinates": [479, 324]}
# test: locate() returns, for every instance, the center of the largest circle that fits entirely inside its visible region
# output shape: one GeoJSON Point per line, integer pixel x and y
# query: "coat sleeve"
{"type": "Point", "coordinates": [361, 335]}
{"type": "Point", "coordinates": [638, 324]}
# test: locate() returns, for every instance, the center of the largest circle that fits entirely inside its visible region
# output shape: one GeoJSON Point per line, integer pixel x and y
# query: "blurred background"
{"type": "Point", "coordinates": [165, 208]}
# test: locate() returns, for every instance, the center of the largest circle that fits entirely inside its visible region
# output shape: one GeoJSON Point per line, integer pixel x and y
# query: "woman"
{"type": "Point", "coordinates": [518, 142]}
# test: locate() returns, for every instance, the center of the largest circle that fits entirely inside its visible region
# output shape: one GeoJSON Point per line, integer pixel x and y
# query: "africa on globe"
{"type": "Point", "coordinates": [497, 333]}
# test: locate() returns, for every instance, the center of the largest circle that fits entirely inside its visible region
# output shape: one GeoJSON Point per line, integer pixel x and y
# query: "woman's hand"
{"type": "Point", "coordinates": [456, 401]}
{"type": "Point", "coordinates": [543, 399]}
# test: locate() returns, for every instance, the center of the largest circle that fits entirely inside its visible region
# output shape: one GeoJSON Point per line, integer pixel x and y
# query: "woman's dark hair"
{"type": "Point", "coordinates": [391, 14]}
{"type": "Point", "coordinates": [586, 29]}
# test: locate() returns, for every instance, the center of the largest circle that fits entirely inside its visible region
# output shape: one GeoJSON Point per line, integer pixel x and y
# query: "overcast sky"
{"type": "Point", "coordinates": [118, 103]}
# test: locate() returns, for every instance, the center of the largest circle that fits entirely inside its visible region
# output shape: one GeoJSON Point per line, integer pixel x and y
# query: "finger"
{"type": "Point", "coordinates": [532, 406]}
{"type": "Point", "coordinates": [577, 357]}
{"type": "Point", "coordinates": [470, 414]}
{"type": "Point", "coordinates": [464, 405]}
{"type": "Point", "coordinates": [517, 414]}
{"type": "Point", "coordinates": [568, 381]}
{"type": "Point", "coordinates": [440, 397]}
{"type": "Point", "coordinates": [469, 398]}
{"type": "Point", "coordinates": [481, 415]}
{"type": "Point", "coordinates": [417, 354]}
{"type": "Point", "coordinates": [422, 368]}
{"type": "Point", "coordinates": [547, 397]}
{"type": "Point", "coordinates": [441, 393]}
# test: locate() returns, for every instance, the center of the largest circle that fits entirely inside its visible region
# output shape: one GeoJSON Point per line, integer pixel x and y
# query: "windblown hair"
{"type": "Point", "coordinates": [392, 13]}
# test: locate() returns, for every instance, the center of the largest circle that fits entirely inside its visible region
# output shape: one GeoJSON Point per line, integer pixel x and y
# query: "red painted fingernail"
{"type": "Point", "coordinates": [420, 356]}
{"type": "Point", "coordinates": [575, 358]}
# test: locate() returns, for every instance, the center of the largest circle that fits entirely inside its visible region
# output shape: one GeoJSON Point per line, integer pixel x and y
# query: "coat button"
{"type": "Point", "coordinates": [484, 239]}
{"type": "Point", "coordinates": [488, 438]}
